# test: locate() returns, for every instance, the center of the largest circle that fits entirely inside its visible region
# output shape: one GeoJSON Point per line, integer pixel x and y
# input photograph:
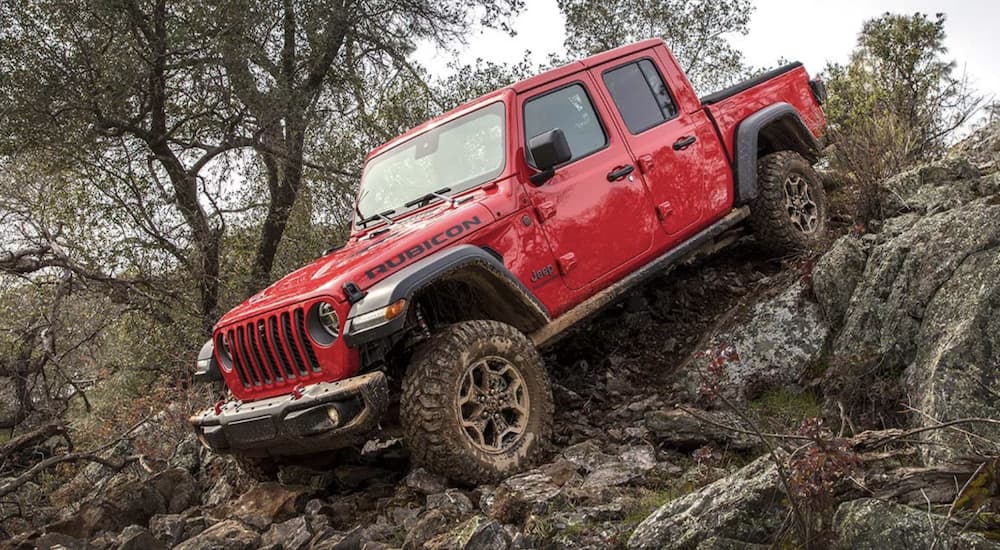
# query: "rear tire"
{"type": "Point", "coordinates": [789, 213]}
{"type": "Point", "coordinates": [477, 404]}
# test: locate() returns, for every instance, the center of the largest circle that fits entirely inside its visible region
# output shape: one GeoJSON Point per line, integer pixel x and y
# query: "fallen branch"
{"type": "Point", "coordinates": [32, 437]}
{"type": "Point", "coordinates": [12, 484]}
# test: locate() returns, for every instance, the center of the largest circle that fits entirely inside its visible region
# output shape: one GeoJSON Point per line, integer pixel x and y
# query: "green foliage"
{"type": "Point", "coordinates": [896, 102]}
{"type": "Point", "coordinates": [695, 31]}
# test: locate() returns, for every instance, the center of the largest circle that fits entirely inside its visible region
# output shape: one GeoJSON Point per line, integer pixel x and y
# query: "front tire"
{"type": "Point", "coordinates": [477, 404]}
{"type": "Point", "coordinates": [789, 213]}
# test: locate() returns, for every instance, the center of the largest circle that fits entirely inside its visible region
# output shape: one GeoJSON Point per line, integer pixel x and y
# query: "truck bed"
{"type": "Point", "coordinates": [787, 84]}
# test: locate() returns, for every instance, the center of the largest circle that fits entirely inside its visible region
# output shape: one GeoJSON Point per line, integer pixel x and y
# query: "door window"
{"type": "Point", "coordinates": [640, 95]}
{"type": "Point", "coordinates": [570, 110]}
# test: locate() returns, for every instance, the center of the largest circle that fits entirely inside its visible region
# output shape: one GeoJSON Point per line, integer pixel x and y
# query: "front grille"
{"type": "Point", "coordinates": [272, 350]}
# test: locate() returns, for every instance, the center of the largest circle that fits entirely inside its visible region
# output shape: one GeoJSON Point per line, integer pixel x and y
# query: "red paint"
{"type": "Point", "coordinates": [594, 230]}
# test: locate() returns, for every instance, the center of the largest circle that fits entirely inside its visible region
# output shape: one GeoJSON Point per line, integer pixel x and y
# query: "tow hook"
{"type": "Point", "coordinates": [218, 406]}
{"type": "Point", "coordinates": [297, 392]}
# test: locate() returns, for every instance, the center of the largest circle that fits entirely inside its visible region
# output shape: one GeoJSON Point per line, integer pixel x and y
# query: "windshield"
{"type": "Point", "coordinates": [463, 153]}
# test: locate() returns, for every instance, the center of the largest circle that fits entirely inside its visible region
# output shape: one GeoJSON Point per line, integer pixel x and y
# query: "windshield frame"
{"type": "Point", "coordinates": [456, 189]}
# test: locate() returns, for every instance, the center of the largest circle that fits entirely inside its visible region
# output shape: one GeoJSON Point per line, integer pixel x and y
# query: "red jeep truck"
{"type": "Point", "coordinates": [483, 234]}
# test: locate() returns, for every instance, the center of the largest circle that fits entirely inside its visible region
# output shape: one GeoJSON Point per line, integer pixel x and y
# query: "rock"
{"type": "Point", "coordinates": [59, 541]}
{"type": "Point", "coordinates": [745, 506]}
{"type": "Point", "coordinates": [265, 504]}
{"type": "Point", "coordinates": [300, 475]}
{"type": "Point", "coordinates": [775, 340]}
{"type": "Point", "coordinates": [452, 501]}
{"type": "Point", "coordinates": [476, 533]}
{"type": "Point", "coordinates": [424, 482]}
{"type": "Point", "coordinates": [173, 528]}
{"type": "Point", "coordinates": [678, 429]}
{"type": "Point", "coordinates": [290, 535]}
{"type": "Point", "coordinates": [587, 455]}
{"type": "Point", "coordinates": [836, 275]}
{"type": "Point", "coordinates": [935, 187]}
{"type": "Point", "coordinates": [430, 525]}
{"type": "Point", "coordinates": [871, 524]}
{"type": "Point", "coordinates": [611, 474]}
{"type": "Point", "coordinates": [926, 304]}
{"type": "Point", "coordinates": [225, 535]}
{"type": "Point", "coordinates": [134, 537]}
{"type": "Point", "coordinates": [131, 501]}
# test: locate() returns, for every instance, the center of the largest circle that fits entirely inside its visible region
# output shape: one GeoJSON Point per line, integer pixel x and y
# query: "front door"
{"type": "Point", "coordinates": [595, 210]}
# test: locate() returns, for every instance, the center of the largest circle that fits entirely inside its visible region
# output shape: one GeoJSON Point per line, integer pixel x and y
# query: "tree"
{"type": "Point", "coordinates": [896, 102]}
{"type": "Point", "coordinates": [695, 31]}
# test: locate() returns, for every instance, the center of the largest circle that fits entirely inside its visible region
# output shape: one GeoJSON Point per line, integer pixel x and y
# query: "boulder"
{"type": "Point", "coordinates": [134, 537]}
{"type": "Point", "coordinates": [775, 340]}
{"type": "Point", "coordinates": [290, 535]}
{"type": "Point", "coordinates": [836, 275]}
{"type": "Point", "coordinates": [476, 533]}
{"type": "Point", "coordinates": [424, 482]}
{"type": "Point", "coordinates": [746, 506]}
{"type": "Point", "coordinates": [225, 535]}
{"type": "Point", "coordinates": [265, 504]}
{"type": "Point", "coordinates": [871, 524]}
{"type": "Point", "coordinates": [131, 501]}
{"type": "Point", "coordinates": [925, 305]}
{"type": "Point", "coordinates": [680, 430]}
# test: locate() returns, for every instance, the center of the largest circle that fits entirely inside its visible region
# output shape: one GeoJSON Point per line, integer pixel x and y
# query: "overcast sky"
{"type": "Point", "coordinates": [810, 31]}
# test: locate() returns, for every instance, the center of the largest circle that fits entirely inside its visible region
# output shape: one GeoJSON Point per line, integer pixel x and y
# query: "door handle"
{"type": "Point", "coordinates": [684, 143]}
{"type": "Point", "coordinates": [621, 172]}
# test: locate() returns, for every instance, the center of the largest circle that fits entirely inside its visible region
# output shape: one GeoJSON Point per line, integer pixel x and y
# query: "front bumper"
{"type": "Point", "coordinates": [324, 416]}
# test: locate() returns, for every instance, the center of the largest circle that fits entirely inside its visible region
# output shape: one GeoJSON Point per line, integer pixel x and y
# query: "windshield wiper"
{"type": "Point", "coordinates": [432, 195]}
{"type": "Point", "coordinates": [384, 216]}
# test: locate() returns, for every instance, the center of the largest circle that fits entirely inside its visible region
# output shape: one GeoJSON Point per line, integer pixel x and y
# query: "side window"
{"type": "Point", "coordinates": [640, 95]}
{"type": "Point", "coordinates": [570, 110]}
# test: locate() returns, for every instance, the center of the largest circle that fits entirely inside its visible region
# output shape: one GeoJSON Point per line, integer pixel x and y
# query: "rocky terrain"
{"type": "Point", "coordinates": [681, 416]}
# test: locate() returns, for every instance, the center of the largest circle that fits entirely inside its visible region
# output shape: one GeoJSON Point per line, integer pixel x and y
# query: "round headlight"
{"type": "Point", "coordinates": [324, 323]}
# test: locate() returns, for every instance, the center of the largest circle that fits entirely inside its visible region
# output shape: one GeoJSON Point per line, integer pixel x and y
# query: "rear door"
{"type": "Point", "coordinates": [594, 220]}
{"type": "Point", "coordinates": [669, 146]}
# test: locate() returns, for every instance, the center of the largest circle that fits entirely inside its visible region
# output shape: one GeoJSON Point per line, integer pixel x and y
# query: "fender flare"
{"type": "Point", "coordinates": [797, 138]}
{"type": "Point", "coordinates": [406, 282]}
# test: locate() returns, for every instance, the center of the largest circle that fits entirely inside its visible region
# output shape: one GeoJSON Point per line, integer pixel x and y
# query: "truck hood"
{"type": "Point", "coordinates": [365, 260]}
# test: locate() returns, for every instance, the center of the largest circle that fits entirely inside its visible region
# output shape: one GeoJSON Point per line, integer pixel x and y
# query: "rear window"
{"type": "Point", "coordinates": [640, 95]}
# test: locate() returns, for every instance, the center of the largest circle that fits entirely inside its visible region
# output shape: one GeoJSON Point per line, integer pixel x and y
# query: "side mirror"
{"type": "Point", "coordinates": [548, 150]}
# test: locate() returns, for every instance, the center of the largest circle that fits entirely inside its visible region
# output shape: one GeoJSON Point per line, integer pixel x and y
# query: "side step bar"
{"type": "Point", "coordinates": [548, 333]}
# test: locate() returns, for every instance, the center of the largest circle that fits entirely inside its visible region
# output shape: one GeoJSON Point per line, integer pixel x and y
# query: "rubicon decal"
{"type": "Point", "coordinates": [437, 240]}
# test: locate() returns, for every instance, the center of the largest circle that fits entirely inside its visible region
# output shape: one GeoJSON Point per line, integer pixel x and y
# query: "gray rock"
{"type": "Point", "coordinates": [290, 535]}
{"type": "Point", "coordinates": [775, 339]}
{"type": "Point", "coordinates": [678, 429]}
{"type": "Point", "coordinates": [451, 501]}
{"type": "Point", "coordinates": [870, 524]}
{"type": "Point", "coordinates": [476, 533]}
{"type": "Point", "coordinates": [134, 537]}
{"type": "Point", "coordinates": [424, 482]}
{"type": "Point", "coordinates": [926, 304]}
{"type": "Point", "coordinates": [836, 275]}
{"type": "Point", "coordinates": [587, 455]}
{"type": "Point", "coordinates": [430, 525]}
{"type": "Point", "coordinates": [746, 506]}
{"type": "Point", "coordinates": [59, 541]}
{"type": "Point", "coordinates": [225, 535]}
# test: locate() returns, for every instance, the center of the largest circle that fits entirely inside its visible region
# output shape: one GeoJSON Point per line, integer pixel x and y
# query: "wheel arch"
{"type": "Point", "coordinates": [778, 127]}
{"type": "Point", "coordinates": [498, 294]}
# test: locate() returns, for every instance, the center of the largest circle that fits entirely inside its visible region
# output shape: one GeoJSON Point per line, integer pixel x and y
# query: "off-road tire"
{"type": "Point", "coordinates": [433, 387]}
{"type": "Point", "coordinates": [770, 212]}
{"type": "Point", "coordinates": [259, 468]}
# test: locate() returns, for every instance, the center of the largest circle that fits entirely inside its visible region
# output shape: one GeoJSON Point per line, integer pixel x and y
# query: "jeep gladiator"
{"type": "Point", "coordinates": [483, 234]}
